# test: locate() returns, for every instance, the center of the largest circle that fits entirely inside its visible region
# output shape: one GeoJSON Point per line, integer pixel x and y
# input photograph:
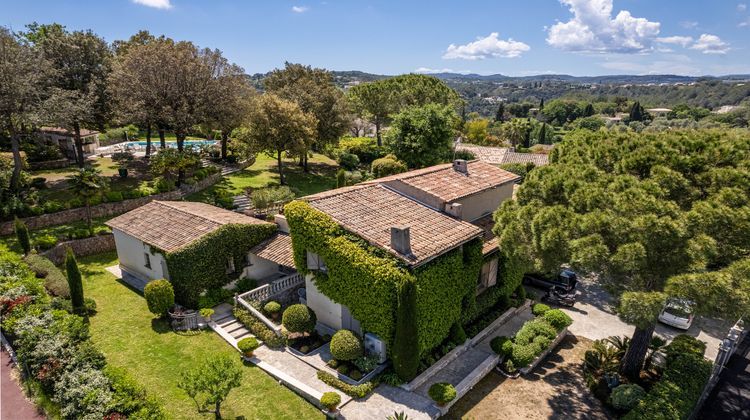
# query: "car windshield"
{"type": "Point", "coordinates": [679, 309]}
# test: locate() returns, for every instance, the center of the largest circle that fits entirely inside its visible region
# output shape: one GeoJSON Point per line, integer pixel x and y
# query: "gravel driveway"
{"type": "Point", "coordinates": [594, 318]}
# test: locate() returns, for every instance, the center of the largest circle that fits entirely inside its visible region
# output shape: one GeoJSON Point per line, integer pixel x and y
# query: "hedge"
{"type": "Point", "coordinates": [201, 265]}
{"type": "Point", "coordinates": [259, 329]}
{"type": "Point", "coordinates": [298, 318]}
{"type": "Point", "coordinates": [366, 279]}
{"type": "Point", "coordinates": [54, 280]}
{"type": "Point", "coordinates": [354, 391]}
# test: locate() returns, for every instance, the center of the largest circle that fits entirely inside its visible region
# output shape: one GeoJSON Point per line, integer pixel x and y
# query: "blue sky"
{"type": "Point", "coordinates": [579, 37]}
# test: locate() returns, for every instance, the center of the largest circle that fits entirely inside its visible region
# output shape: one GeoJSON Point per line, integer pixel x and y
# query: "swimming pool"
{"type": "Point", "coordinates": [170, 144]}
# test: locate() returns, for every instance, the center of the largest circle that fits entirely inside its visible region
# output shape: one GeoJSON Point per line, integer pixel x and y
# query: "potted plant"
{"type": "Point", "coordinates": [330, 401]}
{"type": "Point", "coordinates": [273, 309]}
{"type": "Point", "coordinates": [206, 314]}
{"type": "Point", "coordinates": [442, 393]}
{"type": "Point", "coordinates": [123, 159]}
{"type": "Point", "coordinates": [248, 345]}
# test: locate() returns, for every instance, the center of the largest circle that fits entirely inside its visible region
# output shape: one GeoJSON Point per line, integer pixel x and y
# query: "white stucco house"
{"type": "Point", "coordinates": [65, 140]}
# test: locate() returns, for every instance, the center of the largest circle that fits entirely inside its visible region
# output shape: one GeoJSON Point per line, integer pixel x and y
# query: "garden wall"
{"type": "Point", "coordinates": [101, 210]}
{"type": "Point", "coordinates": [50, 164]}
{"type": "Point", "coordinates": [81, 247]}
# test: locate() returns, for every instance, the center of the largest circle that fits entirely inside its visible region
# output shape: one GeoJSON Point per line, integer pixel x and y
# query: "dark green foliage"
{"type": "Point", "coordinates": [259, 329]}
{"type": "Point", "coordinates": [54, 280]}
{"type": "Point", "coordinates": [245, 284]}
{"type": "Point", "coordinates": [405, 358]}
{"type": "Point", "coordinates": [345, 345]}
{"type": "Point", "coordinates": [557, 318]}
{"type": "Point", "coordinates": [113, 196]}
{"type": "Point", "coordinates": [201, 265]}
{"type": "Point", "coordinates": [340, 178]}
{"type": "Point", "coordinates": [521, 292]}
{"type": "Point", "coordinates": [349, 161]}
{"type": "Point", "coordinates": [75, 285]}
{"type": "Point", "coordinates": [442, 392]}
{"type": "Point", "coordinates": [520, 169]}
{"type": "Point", "coordinates": [539, 309]}
{"type": "Point", "coordinates": [45, 242]}
{"type": "Point", "coordinates": [684, 344]}
{"type": "Point", "coordinates": [637, 113]}
{"type": "Point", "coordinates": [523, 355]}
{"type": "Point", "coordinates": [354, 391]}
{"type": "Point", "coordinates": [299, 318]}
{"type": "Point", "coordinates": [343, 369]}
{"type": "Point", "coordinates": [272, 307]}
{"type": "Point", "coordinates": [22, 233]}
{"type": "Point", "coordinates": [365, 148]}
{"type": "Point", "coordinates": [214, 297]}
{"type": "Point", "coordinates": [159, 296]}
{"type": "Point", "coordinates": [464, 154]}
{"type": "Point", "coordinates": [355, 374]}
{"type": "Point", "coordinates": [422, 136]}
{"type": "Point", "coordinates": [500, 345]}
{"type": "Point", "coordinates": [626, 396]}
{"type": "Point", "coordinates": [129, 397]}
{"type": "Point", "coordinates": [388, 165]}
{"type": "Point", "coordinates": [457, 334]}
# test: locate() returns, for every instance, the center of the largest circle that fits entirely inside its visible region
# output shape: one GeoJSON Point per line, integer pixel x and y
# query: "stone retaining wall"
{"type": "Point", "coordinates": [81, 247]}
{"type": "Point", "coordinates": [50, 164]}
{"type": "Point", "coordinates": [201, 185]}
{"type": "Point", "coordinates": [101, 210]}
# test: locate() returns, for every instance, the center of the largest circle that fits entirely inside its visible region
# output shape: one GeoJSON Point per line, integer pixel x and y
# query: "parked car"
{"type": "Point", "coordinates": [564, 280]}
{"type": "Point", "coordinates": [678, 313]}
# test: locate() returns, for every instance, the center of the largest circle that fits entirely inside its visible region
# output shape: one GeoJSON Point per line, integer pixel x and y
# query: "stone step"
{"type": "Point", "coordinates": [244, 335]}
{"type": "Point", "coordinates": [226, 320]}
{"type": "Point", "coordinates": [239, 333]}
{"type": "Point", "coordinates": [232, 326]}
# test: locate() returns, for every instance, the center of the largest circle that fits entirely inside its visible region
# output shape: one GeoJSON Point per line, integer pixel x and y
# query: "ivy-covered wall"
{"type": "Point", "coordinates": [366, 279]}
{"type": "Point", "coordinates": [202, 265]}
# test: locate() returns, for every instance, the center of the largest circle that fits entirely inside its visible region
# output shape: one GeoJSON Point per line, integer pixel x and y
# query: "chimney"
{"type": "Point", "coordinates": [280, 220]}
{"type": "Point", "coordinates": [459, 165]}
{"type": "Point", "coordinates": [401, 239]}
{"type": "Point", "coordinates": [454, 209]}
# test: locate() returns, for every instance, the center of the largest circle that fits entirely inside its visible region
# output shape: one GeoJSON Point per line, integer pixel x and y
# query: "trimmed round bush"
{"type": "Point", "coordinates": [542, 342]}
{"type": "Point", "coordinates": [330, 400]}
{"type": "Point", "coordinates": [272, 307]}
{"type": "Point", "coordinates": [533, 328]}
{"type": "Point", "coordinates": [684, 344]}
{"type": "Point", "coordinates": [442, 393]}
{"type": "Point", "coordinates": [159, 296]}
{"type": "Point", "coordinates": [502, 345]}
{"type": "Point", "coordinates": [539, 309]}
{"type": "Point", "coordinates": [345, 345]}
{"type": "Point", "coordinates": [248, 345]}
{"type": "Point", "coordinates": [388, 165]}
{"type": "Point", "coordinates": [522, 355]}
{"type": "Point", "coordinates": [349, 161]}
{"type": "Point", "coordinates": [355, 374]}
{"type": "Point", "coordinates": [626, 396]}
{"type": "Point", "coordinates": [299, 318]}
{"type": "Point", "coordinates": [333, 363]}
{"type": "Point", "coordinates": [557, 318]}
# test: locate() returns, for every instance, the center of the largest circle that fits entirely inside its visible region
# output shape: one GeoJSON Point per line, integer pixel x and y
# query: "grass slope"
{"type": "Point", "coordinates": [131, 338]}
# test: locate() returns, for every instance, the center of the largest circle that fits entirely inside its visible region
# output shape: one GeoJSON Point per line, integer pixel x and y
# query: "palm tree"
{"type": "Point", "coordinates": [515, 130]}
{"type": "Point", "coordinates": [87, 183]}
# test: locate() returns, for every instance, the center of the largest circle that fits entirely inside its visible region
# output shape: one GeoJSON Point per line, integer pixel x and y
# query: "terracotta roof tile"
{"type": "Point", "coordinates": [369, 211]}
{"type": "Point", "coordinates": [277, 248]}
{"type": "Point", "coordinates": [490, 243]}
{"type": "Point", "coordinates": [171, 225]}
{"type": "Point", "coordinates": [501, 155]}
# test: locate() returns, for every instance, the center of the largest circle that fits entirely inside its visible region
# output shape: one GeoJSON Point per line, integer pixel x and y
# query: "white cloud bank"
{"type": "Point", "coordinates": [710, 44]}
{"type": "Point", "coordinates": [488, 47]}
{"type": "Point", "coordinates": [428, 70]}
{"type": "Point", "coordinates": [157, 4]}
{"type": "Point", "coordinates": [300, 9]}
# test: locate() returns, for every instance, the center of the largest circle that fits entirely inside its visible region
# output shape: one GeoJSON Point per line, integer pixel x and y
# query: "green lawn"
{"type": "Point", "coordinates": [131, 338]}
{"type": "Point", "coordinates": [263, 173]}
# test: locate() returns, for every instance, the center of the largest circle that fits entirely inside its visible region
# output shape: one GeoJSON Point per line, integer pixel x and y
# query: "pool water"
{"type": "Point", "coordinates": [172, 144]}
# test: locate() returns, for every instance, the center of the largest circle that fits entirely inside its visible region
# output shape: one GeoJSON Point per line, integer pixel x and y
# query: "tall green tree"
{"type": "Point", "coordinates": [372, 101]}
{"type": "Point", "coordinates": [24, 76]}
{"type": "Point", "coordinates": [210, 383]}
{"type": "Point", "coordinates": [637, 113]}
{"type": "Point", "coordinates": [645, 212]}
{"type": "Point", "coordinates": [22, 234]}
{"type": "Point", "coordinates": [516, 130]}
{"type": "Point", "coordinates": [405, 358]}
{"type": "Point", "coordinates": [87, 184]}
{"type": "Point", "coordinates": [81, 62]}
{"type": "Point", "coordinates": [75, 283]}
{"type": "Point", "coordinates": [588, 110]}
{"type": "Point", "coordinates": [500, 113]}
{"type": "Point", "coordinates": [316, 94]}
{"type": "Point", "coordinates": [423, 135]}
{"type": "Point", "coordinates": [275, 126]}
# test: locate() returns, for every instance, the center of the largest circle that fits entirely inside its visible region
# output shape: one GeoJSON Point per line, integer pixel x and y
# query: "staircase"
{"type": "Point", "coordinates": [241, 203]}
{"type": "Point", "coordinates": [227, 326]}
{"type": "Point", "coordinates": [225, 169]}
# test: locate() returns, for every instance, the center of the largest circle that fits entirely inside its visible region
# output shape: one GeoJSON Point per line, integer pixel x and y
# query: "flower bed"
{"type": "Point", "coordinates": [354, 391]}
{"type": "Point", "coordinates": [306, 344]}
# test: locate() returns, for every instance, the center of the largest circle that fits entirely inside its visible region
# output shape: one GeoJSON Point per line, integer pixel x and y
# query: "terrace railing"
{"type": "Point", "coordinates": [266, 292]}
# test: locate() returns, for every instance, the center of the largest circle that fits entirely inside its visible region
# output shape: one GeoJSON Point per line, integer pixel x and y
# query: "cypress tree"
{"type": "Point", "coordinates": [22, 233]}
{"type": "Point", "coordinates": [74, 283]}
{"type": "Point", "coordinates": [405, 353]}
{"type": "Point", "coordinates": [541, 105]}
{"type": "Point", "coordinates": [543, 134]}
{"type": "Point", "coordinates": [636, 112]}
{"type": "Point", "coordinates": [527, 135]}
{"type": "Point", "coordinates": [500, 112]}
{"type": "Point", "coordinates": [340, 178]}
{"type": "Point", "coordinates": [589, 110]}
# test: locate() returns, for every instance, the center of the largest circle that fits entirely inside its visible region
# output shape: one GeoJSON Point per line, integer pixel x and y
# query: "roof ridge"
{"type": "Point", "coordinates": [188, 212]}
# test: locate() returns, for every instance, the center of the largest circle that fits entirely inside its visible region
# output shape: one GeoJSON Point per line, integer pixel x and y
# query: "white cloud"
{"type": "Point", "coordinates": [487, 47]}
{"type": "Point", "coordinates": [679, 40]}
{"type": "Point", "coordinates": [741, 7]}
{"type": "Point", "coordinates": [300, 9]}
{"type": "Point", "coordinates": [157, 4]}
{"type": "Point", "coordinates": [593, 29]}
{"type": "Point", "coordinates": [710, 44]}
{"type": "Point", "coordinates": [427, 70]}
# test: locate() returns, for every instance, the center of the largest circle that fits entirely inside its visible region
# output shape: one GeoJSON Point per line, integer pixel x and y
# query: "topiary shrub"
{"type": "Point", "coordinates": [521, 292]}
{"type": "Point", "coordinates": [457, 334]}
{"type": "Point", "coordinates": [523, 355]}
{"type": "Point", "coordinates": [22, 233]}
{"type": "Point", "coordinates": [541, 342]}
{"type": "Point", "coordinates": [330, 400]}
{"type": "Point", "coordinates": [54, 280]}
{"type": "Point", "coordinates": [558, 319]}
{"type": "Point", "coordinates": [272, 308]}
{"type": "Point", "coordinates": [299, 318]}
{"type": "Point", "coordinates": [349, 161]}
{"type": "Point", "coordinates": [684, 344]}
{"type": "Point", "coordinates": [442, 393]}
{"type": "Point", "coordinates": [502, 345]}
{"type": "Point", "coordinates": [539, 309]}
{"type": "Point", "coordinates": [159, 296]}
{"type": "Point", "coordinates": [626, 396]}
{"type": "Point", "coordinates": [533, 328]}
{"type": "Point", "coordinates": [248, 345]}
{"type": "Point", "coordinates": [345, 345]}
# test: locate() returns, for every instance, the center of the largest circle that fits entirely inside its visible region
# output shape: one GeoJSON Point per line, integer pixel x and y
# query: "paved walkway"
{"type": "Point", "coordinates": [730, 398]}
{"type": "Point", "coordinates": [13, 403]}
{"type": "Point", "coordinates": [386, 401]}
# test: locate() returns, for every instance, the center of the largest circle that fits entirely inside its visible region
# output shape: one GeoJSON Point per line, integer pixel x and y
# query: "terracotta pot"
{"type": "Point", "coordinates": [248, 354]}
